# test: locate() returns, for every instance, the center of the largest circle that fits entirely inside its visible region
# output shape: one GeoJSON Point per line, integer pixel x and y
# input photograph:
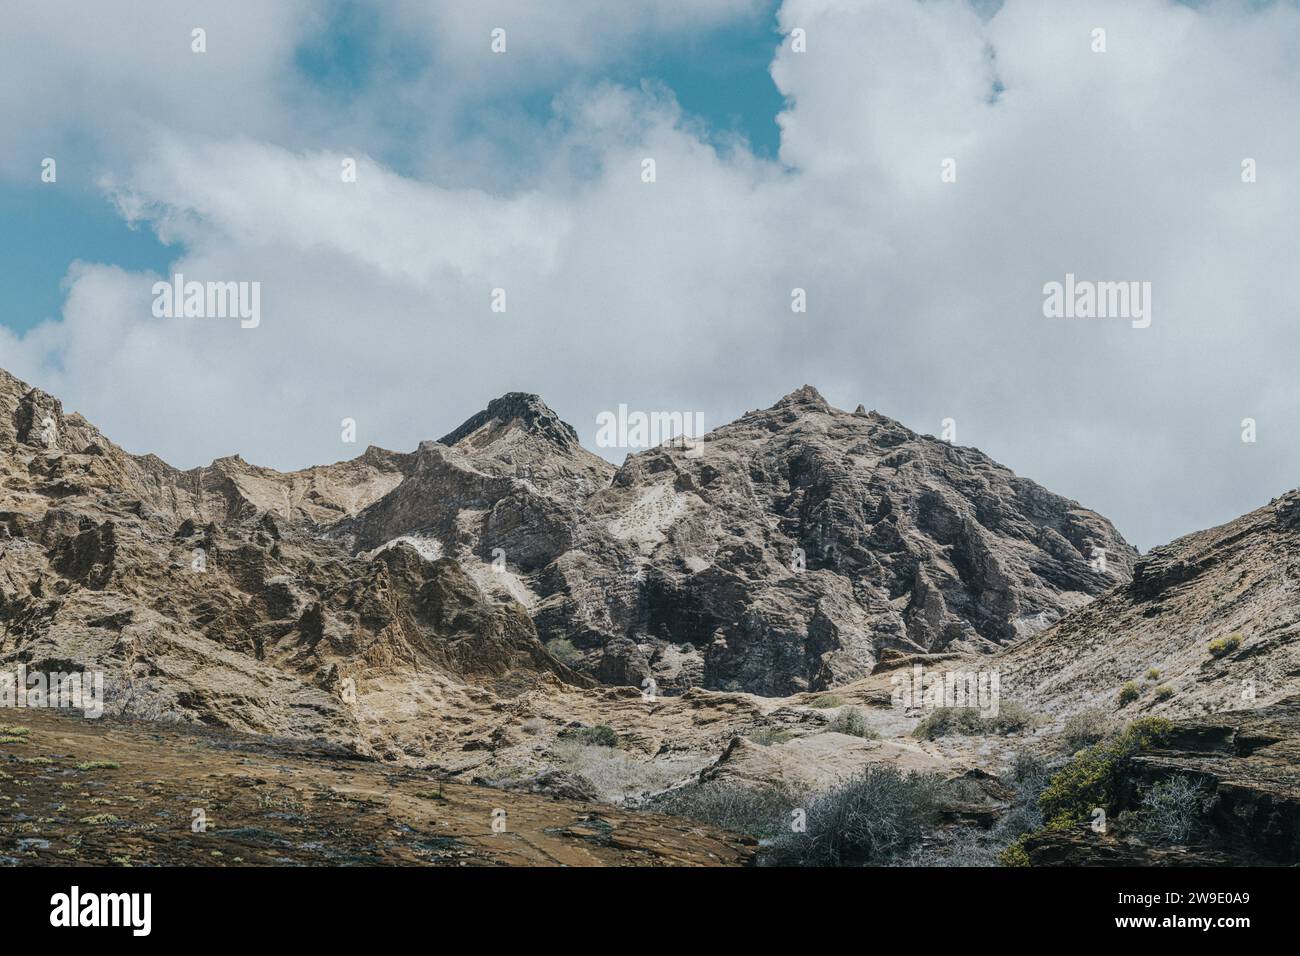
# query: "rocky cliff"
{"type": "Point", "coordinates": [787, 551]}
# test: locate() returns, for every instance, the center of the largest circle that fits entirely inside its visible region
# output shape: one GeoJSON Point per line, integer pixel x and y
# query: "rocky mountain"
{"type": "Point", "coordinates": [787, 551]}
{"type": "Point", "coordinates": [212, 594]}
{"type": "Point", "coordinates": [478, 608]}
{"type": "Point", "coordinates": [791, 550]}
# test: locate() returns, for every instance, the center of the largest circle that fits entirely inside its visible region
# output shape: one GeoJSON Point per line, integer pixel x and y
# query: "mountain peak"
{"type": "Point", "coordinates": [522, 410]}
{"type": "Point", "coordinates": [806, 395]}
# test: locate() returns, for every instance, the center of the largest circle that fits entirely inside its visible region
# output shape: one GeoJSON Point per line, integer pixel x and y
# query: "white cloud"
{"type": "Point", "coordinates": [924, 297]}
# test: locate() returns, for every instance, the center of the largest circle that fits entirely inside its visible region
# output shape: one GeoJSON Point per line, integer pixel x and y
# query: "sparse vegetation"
{"type": "Point", "coordinates": [1222, 646]}
{"type": "Point", "coordinates": [533, 726]}
{"type": "Point", "coordinates": [826, 701]}
{"type": "Point", "coordinates": [851, 721]}
{"type": "Point", "coordinates": [873, 818]}
{"type": "Point", "coordinates": [599, 736]}
{"type": "Point", "coordinates": [1153, 674]}
{"type": "Point", "coordinates": [13, 731]}
{"type": "Point", "coordinates": [762, 813]}
{"type": "Point", "coordinates": [1084, 729]}
{"type": "Point", "coordinates": [1091, 778]}
{"type": "Point", "coordinates": [99, 765]}
{"type": "Point", "coordinates": [434, 794]}
{"type": "Point", "coordinates": [1164, 692]}
{"type": "Point", "coordinates": [133, 695]}
{"type": "Point", "coordinates": [1129, 693]}
{"type": "Point", "coordinates": [767, 736]}
{"type": "Point", "coordinates": [971, 721]}
{"type": "Point", "coordinates": [562, 650]}
{"type": "Point", "coordinates": [98, 819]}
{"type": "Point", "coordinates": [1171, 810]}
{"type": "Point", "coordinates": [1000, 845]}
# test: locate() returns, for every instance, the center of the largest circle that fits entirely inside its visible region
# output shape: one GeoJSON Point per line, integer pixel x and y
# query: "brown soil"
{"type": "Point", "coordinates": [282, 802]}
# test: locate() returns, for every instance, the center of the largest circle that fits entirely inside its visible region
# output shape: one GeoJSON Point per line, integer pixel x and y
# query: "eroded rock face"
{"type": "Point", "coordinates": [788, 552]}
{"type": "Point", "coordinates": [213, 595]}
{"type": "Point", "coordinates": [785, 553]}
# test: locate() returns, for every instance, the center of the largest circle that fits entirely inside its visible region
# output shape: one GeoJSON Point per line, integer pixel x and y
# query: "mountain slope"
{"type": "Point", "coordinates": [793, 550]}
{"type": "Point", "coordinates": [788, 551]}
{"type": "Point", "coordinates": [1241, 578]}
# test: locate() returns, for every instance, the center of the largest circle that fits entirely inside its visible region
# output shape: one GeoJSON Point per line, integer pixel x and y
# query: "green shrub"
{"type": "Point", "coordinates": [1014, 854]}
{"type": "Point", "coordinates": [1221, 646]}
{"type": "Point", "coordinates": [99, 765]}
{"type": "Point", "coordinates": [562, 650]}
{"type": "Point", "coordinates": [870, 819]}
{"type": "Point", "coordinates": [1129, 693]}
{"type": "Point", "coordinates": [1084, 729]}
{"type": "Point", "coordinates": [970, 721]}
{"type": "Point", "coordinates": [98, 819]}
{"type": "Point", "coordinates": [598, 736]}
{"type": "Point", "coordinates": [1164, 692]}
{"type": "Point", "coordinates": [1091, 778]}
{"type": "Point", "coordinates": [851, 721]}
{"type": "Point", "coordinates": [766, 736]}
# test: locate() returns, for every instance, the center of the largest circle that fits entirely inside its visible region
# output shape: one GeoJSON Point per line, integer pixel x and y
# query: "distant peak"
{"type": "Point", "coordinates": [522, 410]}
{"type": "Point", "coordinates": [807, 395]}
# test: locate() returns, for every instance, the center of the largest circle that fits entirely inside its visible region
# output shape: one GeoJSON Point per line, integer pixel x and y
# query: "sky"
{"type": "Point", "coordinates": [921, 170]}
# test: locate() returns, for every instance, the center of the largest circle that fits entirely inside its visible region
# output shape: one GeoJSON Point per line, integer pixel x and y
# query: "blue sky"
{"type": "Point", "coordinates": [44, 229]}
{"type": "Point", "coordinates": [720, 76]}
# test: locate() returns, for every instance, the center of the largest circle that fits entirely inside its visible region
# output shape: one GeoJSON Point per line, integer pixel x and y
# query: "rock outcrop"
{"type": "Point", "coordinates": [785, 552]}
{"type": "Point", "coordinates": [1247, 764]}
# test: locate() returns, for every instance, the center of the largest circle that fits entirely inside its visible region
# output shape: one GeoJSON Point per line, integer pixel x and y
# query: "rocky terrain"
{"type": "Point", "coordinates": [786, 552]}
{"type": "Point", "coordinates": [1239, 581]}
{"type": "Point", "coordinates": [503, 611]}
{"type": "Point", "coordinates": [1248, 761]}
{"type": "Point", "coordinates": [799, 547]}
{"type": "Point", "coordinates": [103, 793]}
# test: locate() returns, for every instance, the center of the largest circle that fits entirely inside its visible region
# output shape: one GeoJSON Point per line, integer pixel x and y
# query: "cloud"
{"type": "Point", "coordinates": [924, 297]}
{"type": "Point", "coordinates": [88, 82]}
